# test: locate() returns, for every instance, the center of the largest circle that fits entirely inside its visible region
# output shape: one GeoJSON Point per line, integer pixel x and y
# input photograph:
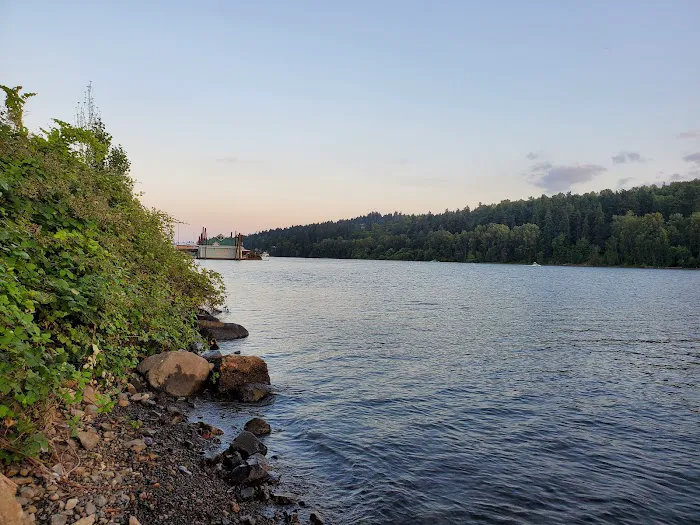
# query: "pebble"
{"type": "Point", "coordinates": [100, 501]}
{"type": "Point", "coordinates": [58, 519]}
{"type": "Point", "coordinates": [131, 389]}
{"type": "Point", "coordinates": [27, 492]}
{"type": "Point", "coordinates": [90, 508]}
{"type": "Point", "coordinates": [88, 520]}
{"type": "Point", "coordinates": [184, 470]}
{"type": "Point", "coordinates": [23, 481]}
{"type": "Point", "coordinates": [247, 493]}
{"type": "Point", "coordinates": [58, 469]}
{"type": "Point", "coordinates": [134, 521]}
{"type": "Point", "coordinates": [71, 503]}
{"type": "Point", "coordinates": [54, 497]}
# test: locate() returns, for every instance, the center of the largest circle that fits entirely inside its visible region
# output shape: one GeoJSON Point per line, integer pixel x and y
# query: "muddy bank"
{"type": "Point", "coordinates": [144, 463]}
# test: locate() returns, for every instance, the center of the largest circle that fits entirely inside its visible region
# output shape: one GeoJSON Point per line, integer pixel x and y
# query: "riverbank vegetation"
{"type": "Point", "coordinates": [644, 226]}
{"type": "Point", "coordinates": [89, 279]}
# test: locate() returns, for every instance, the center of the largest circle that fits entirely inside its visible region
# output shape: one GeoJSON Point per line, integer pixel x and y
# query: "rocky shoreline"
{"type": "Point", "coordinates": [143, 462]}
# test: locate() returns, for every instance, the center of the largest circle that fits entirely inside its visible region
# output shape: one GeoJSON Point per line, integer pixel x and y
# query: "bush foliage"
{"type": "Point", "coordinates": [89, 279]}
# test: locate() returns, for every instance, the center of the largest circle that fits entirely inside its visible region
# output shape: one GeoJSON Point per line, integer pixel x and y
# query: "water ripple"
{"type": "Point", "coordinates": [448, 393]}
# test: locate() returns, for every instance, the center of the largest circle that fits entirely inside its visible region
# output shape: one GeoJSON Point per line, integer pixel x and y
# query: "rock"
{"type": "Point", "coordinates": [237, 372]}
{"type": "Point", "coordinates": [22, 481]}
{"type": "Point", "coordinates": [10, 510]}
{"type": "Point", "coordinates": [253, 393]}
{"type": "Point", "coordinates": [131, 388]}
{"type": "Point", "coordinates": [257, 426]}
{"type": "Point", "coordinates": [90, 508]}
{"type": "Point", "coordinates": [137, 445]}
{"type": "Point", "coordinates": [315, 519]}
{"type": "Point", "coordinates": [184, 470]}
{"type": "Point", "coordinates": [221, 331]}
{"type": "Point", "coordinates": [283, 498]}
{"type": "Point", "coordinates": [100, 501]}
{"type": "Point", "coordinates": [71, 503]}
{"type": "Point", "coordinates": [89, 395]}
{"type": "Point", "coordinates": [58, 519]}
{"type": "Point", "coordinates": [89, 439]}
{"type": "Point", "coordinates": [247, 444]}
{"type": "Point", "coordinates": [207, 429]}
{"type": "Point", "coordinates": [177, 373]}
{"type": "Point", "coordinates": [235, 507]}
{"type": "Point", "coordinates": [134, 521]}
{"type": "Point", "coordinates": [213, 356]}
{"type": "Point", "coordinates": [247, 493]}
{"type": "Point", "coordinates": [123, 402]}
{"type": "Point", "coordinates": [257, 468]}
{"type": "Point", "coordinates": [27, 492]}
{"type": "Point", "coordinates": [88, 520]}
{"type": "Point", "coordinates": [247, 520]}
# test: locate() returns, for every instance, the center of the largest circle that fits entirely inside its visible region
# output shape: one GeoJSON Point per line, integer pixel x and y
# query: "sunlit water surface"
{"type": "Point", "coordinates": [456, 393]}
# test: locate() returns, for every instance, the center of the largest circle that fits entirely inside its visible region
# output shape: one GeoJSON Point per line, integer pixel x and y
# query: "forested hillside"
{"type": "Point", "coordinates": [645, 226]}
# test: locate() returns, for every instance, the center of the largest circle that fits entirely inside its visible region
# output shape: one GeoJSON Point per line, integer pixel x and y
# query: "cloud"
{"type": "Point", "coordinates": [690, 134]}
{"type": "Point", "coordinates": [532, 155]}
{"type": "Point", "coordinates": [624, 181]}
{"type": "Point", "coordinates": [677, 176]}
{"type": "Point", "coordinates": [693, 157]}
{"type": "Point", "coordinates": [627, 156]}
{"type": "Point", "coordinates": [560, 178]}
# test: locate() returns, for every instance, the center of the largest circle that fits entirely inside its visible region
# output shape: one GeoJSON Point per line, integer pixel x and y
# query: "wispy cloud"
{"type": "Point", "coordinates": [627, 156]}
{"type": "Point", "coordinates": [228, 160]}
{"type": "Point", "coordinates": [532, 155]}
{"type": "Point", "coordinates": [690, 134]}
{"type": "Point", "coordinates": [693, 157]}
{"type": "Point", "coordinates": [557, 178]}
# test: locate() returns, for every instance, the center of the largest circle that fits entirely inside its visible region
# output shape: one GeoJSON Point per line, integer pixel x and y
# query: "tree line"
{"type": "Point", "coordinates": [644, 226]}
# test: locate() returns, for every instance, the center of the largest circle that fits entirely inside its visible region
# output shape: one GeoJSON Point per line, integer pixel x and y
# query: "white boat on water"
{"type": "Point", "coordinates": [535, 264]}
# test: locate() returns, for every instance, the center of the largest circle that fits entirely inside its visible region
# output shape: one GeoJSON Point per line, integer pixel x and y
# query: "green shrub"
{"type": "Point", "coordinates": [89, 279]}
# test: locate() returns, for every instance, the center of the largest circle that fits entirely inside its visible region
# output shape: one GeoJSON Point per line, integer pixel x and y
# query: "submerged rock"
{"type": "Point", "coordinates": [244, 377]}
{"type": "Point", "coordinates": [178, 373]}
{"type": "Point", "coordinates": [258, 426]}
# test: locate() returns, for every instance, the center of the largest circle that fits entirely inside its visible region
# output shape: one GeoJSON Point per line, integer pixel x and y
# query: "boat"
{"type": "Point", "coordinates": [535, 264]}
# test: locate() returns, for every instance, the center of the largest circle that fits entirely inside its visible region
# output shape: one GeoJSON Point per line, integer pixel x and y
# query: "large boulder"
{"type": "Point", "coordinates": [221, 331]}
{"type": "Point", "coordinates": [245, 377]}
{"type": "Point", "coordinates": [178, 373]}
{"type": "Point", "coordinates": [10, 509]}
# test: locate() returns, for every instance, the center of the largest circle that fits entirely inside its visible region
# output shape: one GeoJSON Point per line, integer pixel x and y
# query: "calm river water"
{"type": "Point", "coordinates": [413, 392]}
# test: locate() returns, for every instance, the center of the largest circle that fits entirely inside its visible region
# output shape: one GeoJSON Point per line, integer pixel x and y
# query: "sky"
{"type": "Point", "coordinates": [244, 116]}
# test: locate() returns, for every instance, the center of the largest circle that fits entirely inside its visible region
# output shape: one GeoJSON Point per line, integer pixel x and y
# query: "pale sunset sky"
{"type": "Point", "coordinates": [251, 115]}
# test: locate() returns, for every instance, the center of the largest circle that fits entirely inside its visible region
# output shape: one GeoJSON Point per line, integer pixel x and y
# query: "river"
{"type": "Point", "coordinates": [415, 392]}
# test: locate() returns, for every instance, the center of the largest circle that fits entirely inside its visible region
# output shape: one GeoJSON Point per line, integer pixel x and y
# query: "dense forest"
{"type": "Point", "coordinates": [644, 226]}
